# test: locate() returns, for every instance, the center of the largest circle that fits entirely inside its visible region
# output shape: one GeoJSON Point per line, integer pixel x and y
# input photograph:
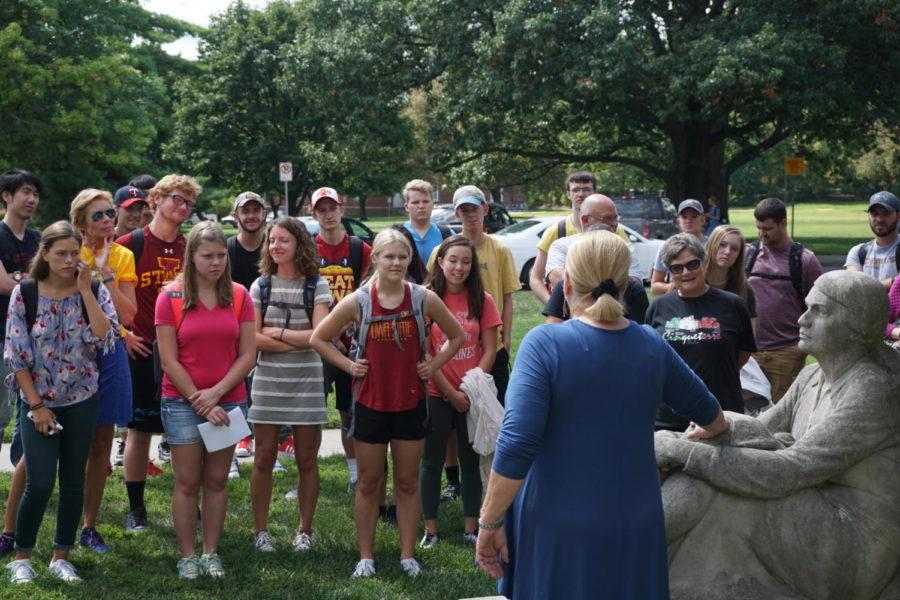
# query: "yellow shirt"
{"type": "Point", "coordinates": [551, 234]}
{"type": "Point", "coordinates": [121, 261]}
{"type": "Point", "coordinates": [498, 270]}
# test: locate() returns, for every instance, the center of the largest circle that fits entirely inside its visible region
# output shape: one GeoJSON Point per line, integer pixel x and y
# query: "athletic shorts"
{"type": "Point", "coordinates": [342, 391]}
{"type": "Point", "coordinates": [181, 421]}
{"type": "Point", "coordinates": [380, 427]}
{"type": "Point", "coordinates": [145, 414]}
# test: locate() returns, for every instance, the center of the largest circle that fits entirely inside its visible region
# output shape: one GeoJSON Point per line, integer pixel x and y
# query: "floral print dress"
{"type": "Point", "coordinates": [61, 351]}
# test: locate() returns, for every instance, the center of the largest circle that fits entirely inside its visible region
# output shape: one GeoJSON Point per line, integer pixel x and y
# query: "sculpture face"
{"type": "Point", "coordinates": [823, 326]}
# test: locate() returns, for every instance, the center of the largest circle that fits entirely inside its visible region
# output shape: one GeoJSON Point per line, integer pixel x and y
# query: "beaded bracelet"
{"type": "Point", "coordinates": [490, 526]}
{"type": "Point", "coordinates": [37, 406]}
{"type": "Point", "coordinates": [108, 279]}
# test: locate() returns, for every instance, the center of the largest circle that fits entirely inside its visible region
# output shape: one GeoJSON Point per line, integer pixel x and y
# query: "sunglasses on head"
{"type": "Point", "coordinates": [99, 214]}
{"type": "Point", "coordinates": [679, 268]}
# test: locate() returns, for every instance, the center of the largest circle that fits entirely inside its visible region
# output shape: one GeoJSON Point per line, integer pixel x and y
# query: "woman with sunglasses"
{"type": "Point", "coordinates": [708, 327]}
{"type": "Point", "coordinates": [94, 216]}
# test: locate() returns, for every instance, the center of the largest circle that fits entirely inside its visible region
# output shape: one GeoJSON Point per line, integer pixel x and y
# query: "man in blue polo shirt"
{"type": "Point", "coordinates": [418, 202]}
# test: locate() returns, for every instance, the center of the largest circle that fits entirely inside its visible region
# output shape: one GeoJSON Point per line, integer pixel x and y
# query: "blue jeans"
{"type": "Point", "coordinates": [180, 420]}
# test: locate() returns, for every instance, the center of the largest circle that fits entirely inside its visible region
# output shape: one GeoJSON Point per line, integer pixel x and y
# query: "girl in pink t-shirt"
{"type": "Point", "coordinates": [205, 328]}
{"type": "Point", "coordinates": [457, 281]}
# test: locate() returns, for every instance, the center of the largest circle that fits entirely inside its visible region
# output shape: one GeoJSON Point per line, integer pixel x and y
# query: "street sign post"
{"type": "Point", "coordinates": [285, 174]}
{"type": "Point", "coordinates": [795, 167]}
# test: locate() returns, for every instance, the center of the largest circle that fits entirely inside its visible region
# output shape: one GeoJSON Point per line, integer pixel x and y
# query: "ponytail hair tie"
{"type": "Point", "coordinates": [607, 286]}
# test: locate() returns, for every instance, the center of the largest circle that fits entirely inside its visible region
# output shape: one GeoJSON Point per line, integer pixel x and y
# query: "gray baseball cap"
{"type": "Point", "coordinates": [468, 194]}
{"type": "Point", "coordinates": [246, 197]}
{"type": "Point", "coordinates": [690, 203]}
{"type": "Point", "coordinates": [885, 199]}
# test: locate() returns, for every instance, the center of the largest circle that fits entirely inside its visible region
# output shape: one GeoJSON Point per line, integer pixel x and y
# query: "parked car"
{"type": "Point", "coordinates": [497, 218]}
{"type": "Point", "coordinates": [522, 238]}
{"type": "Point", "coordinates": [351, 226]}
{"type": "Point", "coordinates": [652, 217]}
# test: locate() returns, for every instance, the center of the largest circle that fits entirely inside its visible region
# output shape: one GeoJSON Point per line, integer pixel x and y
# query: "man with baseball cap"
{"type": "Point", "coordinates": [691, 219]}
{"type": "Point", "coordinates": [131, 202]}
{"type": "Point", "coordinates": [244, 248]}
{"type": "Point", "coordinates": [880, 257]}
{"type": "Point", "coordinates": [343, 261]}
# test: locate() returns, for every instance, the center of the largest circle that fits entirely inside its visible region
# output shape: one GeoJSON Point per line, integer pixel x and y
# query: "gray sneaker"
{"type": "Point", "coordinates": [21, 571]}
{"type": "Point", "coordinates": [212, 565]}
{"type": "Point", "coordinates": [189, 568]}
{"type": "Point", "coordinates": [64, 570]}
{"type": "Point", "coordinates": [411, 567]}
{"type": "Point", "coordinates": [364, 568]}
{"type": "Point", "coordinates": [263, 542]}
{"type": "Point", "coordinates": [303, 541]}
{"type": "Point", "coordinates": [136, 521]}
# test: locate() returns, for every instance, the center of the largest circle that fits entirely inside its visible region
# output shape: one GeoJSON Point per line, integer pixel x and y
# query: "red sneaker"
{"type": "Point", "coordinates": [153, 470]}
{"type": "Point", "coordinates": [286, 448]}
{"type": "Point", "coordinates": [244, 448]}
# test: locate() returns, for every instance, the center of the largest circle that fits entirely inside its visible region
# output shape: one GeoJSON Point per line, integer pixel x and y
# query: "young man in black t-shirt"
{"type": "Point", "coordinates": [20, 192]}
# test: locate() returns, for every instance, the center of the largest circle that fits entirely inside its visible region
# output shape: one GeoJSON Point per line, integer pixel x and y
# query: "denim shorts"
{"type": "Point", "coordinates": [180, 421]}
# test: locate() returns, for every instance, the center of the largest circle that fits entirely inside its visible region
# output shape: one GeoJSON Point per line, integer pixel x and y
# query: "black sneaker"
{"type": "Point", "coordinates": [92, 540]}
{"type": "Point", "coordinates": [7, 543]}
{"type": "Point", "coordinates": [451, 492]}
{"type": "Point", "coordinates": [429, 540]}
{"type": "Point", "coordinates": [136, 521]}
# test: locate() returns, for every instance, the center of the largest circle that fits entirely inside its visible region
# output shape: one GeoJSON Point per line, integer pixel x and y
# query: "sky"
{"type": "Point", "coordinates": [197, 12]}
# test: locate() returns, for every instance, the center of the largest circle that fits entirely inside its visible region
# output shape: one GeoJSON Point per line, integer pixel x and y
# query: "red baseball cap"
{"type": "Point", "coordinates": [325, 192]}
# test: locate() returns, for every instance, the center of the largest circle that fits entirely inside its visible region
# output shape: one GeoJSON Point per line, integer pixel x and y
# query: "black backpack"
{"type": "Point", "coordinates": [137, 244]}
{"type": "Point", "coordinates": [309, 297]}
{"type": "Point", "coordinates": [795, 264]}
{"type": "Point", "coordinates": [868, 246]}
{"type": "Point", "coordinates": [560, 229]}
{"type": "Point", "coordinates": [356, 253]}
{"type": "Point", "coordinates": [29, 290]}
{"type": "Point", "coordinates": [445, 231]}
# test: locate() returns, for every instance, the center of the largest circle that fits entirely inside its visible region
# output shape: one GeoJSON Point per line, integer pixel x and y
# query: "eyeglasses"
{"type": "Point", "coordinates": [679, 268]}
{"type": "Point", "coordinates": [99, 214]}
{"type": "Point", "coordinates": [180, 200]}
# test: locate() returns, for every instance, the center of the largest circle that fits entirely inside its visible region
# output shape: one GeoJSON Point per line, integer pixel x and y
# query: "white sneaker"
{"type": "Point", "coordinates": [234, 472]}
{"type": "Point", "coordinates": [21, 571]}
{"type": "Point", "coordinates": [364, 568]}
{"type": "Point", "coordinates": [411, 567]}
{"type": "Point", "coordinates": [278, 467]}
{"type": "Point", "coordinates": [64, 570]}
{"type": "Point", "coordinates": [303, 541]}
{"type": "Point", "coordinates": [263, 542]}
{"type": "Point", "coordinates": [291, 495]}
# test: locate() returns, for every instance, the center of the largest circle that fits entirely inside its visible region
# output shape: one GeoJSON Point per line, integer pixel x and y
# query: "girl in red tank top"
{"type": "Point", "coordinates": [390, 395]}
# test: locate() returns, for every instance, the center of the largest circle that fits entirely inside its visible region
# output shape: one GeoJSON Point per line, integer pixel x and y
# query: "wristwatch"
{"type": "Point", "coordinates": [17, 276]}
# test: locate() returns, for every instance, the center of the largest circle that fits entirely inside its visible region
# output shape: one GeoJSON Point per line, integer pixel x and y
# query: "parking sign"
{"type": "Point", "coordinates": [285, 171]}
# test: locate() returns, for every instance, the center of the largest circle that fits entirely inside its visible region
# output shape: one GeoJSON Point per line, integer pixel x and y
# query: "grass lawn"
{"type": "Point", "coordinates": [143, 566]}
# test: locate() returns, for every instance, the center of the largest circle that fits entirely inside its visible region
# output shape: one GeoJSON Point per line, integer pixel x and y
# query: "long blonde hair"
{"type": "Point", "coordinates": [597, 259]}
{"type": "Point", "coordinates": [736, 278]}
{"type": "Point", "coordinates": [204, 231]}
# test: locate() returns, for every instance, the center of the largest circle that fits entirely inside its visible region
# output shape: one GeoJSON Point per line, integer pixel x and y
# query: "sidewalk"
{"type": "Point", "coordinates": [331, 444]}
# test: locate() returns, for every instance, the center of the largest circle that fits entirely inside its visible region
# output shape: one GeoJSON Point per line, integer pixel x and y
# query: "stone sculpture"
{"type": "Point", "coordinates": [802, 503]}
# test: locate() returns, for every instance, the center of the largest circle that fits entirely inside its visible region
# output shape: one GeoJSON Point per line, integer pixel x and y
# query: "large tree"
{"type": "Point", "coordinates": [79, 95]}
{"type": "Point", "coordinates": [687, 91]}
{"type": "Point", "coordinates": [319, 83]}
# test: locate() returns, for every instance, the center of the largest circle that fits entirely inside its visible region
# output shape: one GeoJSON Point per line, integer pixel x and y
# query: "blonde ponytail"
{"type": "Point", "coordinates": [597, 269]}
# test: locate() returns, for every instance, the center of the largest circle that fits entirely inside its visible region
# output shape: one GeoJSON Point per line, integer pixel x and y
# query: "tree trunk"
{"type": "Point", "coordinates": [362, 209]}
{"type": "Point", "coordinates": [698, 170]}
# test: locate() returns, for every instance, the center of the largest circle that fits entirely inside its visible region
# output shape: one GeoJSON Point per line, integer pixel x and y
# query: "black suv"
{"type": "Point", "coordinates": [652, 217]}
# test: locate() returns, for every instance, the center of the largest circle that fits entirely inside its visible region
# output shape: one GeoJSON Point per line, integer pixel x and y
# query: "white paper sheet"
{"type": "Point", "coordinates": [218, 437]}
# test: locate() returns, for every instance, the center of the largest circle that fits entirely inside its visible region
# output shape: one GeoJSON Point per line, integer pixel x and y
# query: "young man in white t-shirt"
{"type": "Point", "coordinates": [879, 257]}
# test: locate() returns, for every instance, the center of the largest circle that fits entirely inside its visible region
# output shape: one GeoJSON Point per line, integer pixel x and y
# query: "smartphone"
{"type": "Point", "coordinates": [56, 426]}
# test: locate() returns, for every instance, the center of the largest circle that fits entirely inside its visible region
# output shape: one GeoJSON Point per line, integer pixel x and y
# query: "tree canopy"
{"type": "Point", "coordinates": [688, 92]}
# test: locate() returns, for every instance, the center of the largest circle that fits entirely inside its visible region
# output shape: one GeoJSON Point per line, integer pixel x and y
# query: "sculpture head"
{"type": "Point", "coordinates": [846, 309]}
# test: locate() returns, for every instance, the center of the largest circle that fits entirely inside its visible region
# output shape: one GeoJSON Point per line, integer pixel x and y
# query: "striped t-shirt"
{"type": "Point", "coordinates": [288, 388]}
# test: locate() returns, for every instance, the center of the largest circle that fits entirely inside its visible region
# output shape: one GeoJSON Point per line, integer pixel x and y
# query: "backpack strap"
{"type": "Point", "coordinates": [176, 300]}
{"type": "Point", "coordinates": [29, 290]}
{"type": "Point", "coordinates": [309, 296]}
{"type": "Point", "coordinates": [445, 231]}
{"type": "Point", "coordinates": [265, 293]}
{"type": "Point", "coordinates": [795, 266]}
{"type": "Point", "coordinates": [752, 253]}
{"type": "Point", "coordinates": [868, 247]}
{"type": "Point", "coordinates": [356, 258]}
{"type": "Point", "coordinates": [137, 244]}
{"type": "Point", "coordinates": [231, 246]}
{"type": "Point", "coordinates": [560, 229]}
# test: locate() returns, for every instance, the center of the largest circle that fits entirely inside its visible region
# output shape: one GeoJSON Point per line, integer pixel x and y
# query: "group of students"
{"type": "Point", "coordinates": [151, 330]}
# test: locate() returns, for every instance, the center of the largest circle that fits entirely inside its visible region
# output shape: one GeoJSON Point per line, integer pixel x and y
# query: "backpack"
{"type": "Point", "coordinates": [173, 293]}
{"type": "Point", "coordinates": [418, 294]}
{"type": "Point", "coordinates": [137, 244]}
{"type": "Point", "coordinates": [29, 290]}
{"type": "Point", "coordinates": [309, 297]}
{"type": "Point", "coordinates": [560, 229]}
{"type": "Point", "coordinates": [868, 246]}
{"type": "Point", "coordinates": [795, 264]}
{"type": "Point", "coordinates": [445, 231]}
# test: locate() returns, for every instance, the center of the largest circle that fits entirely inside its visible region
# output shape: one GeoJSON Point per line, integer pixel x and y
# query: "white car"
{"type": "Point", "coordinates": [521, 238]}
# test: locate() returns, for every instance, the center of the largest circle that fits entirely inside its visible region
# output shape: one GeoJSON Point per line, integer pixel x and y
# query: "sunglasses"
{"type": "Point", "coordinates": [691, 265]}
{"type": "Point", "coordinates": [180, 200]}
{"type": "Point", "coordinates": [99, 214]}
